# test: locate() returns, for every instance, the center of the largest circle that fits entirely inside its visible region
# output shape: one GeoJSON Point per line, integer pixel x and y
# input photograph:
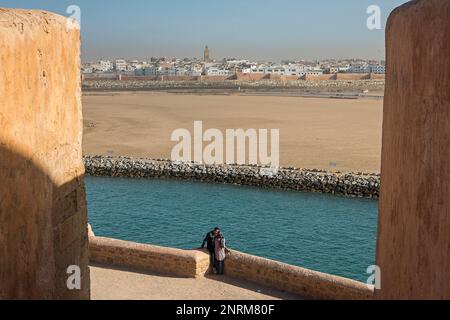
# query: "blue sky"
{"type": "Point", "coordinates": [257, 29]}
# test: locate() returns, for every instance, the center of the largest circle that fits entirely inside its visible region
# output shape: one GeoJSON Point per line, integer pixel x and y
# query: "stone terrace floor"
{"type": "Point", "coordinates": [111, 283]}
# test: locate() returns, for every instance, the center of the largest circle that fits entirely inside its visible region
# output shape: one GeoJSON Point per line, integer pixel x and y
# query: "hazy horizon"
{"type": "Point", "coordinates": [269, 30]}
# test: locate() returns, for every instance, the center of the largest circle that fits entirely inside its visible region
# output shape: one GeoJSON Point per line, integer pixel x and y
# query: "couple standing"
{"type": "Point", "coordinates": [215, 243]}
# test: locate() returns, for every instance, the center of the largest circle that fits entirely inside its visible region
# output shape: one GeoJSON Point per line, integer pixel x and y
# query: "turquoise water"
{"type": "Point", "coordinates": [326, 233]}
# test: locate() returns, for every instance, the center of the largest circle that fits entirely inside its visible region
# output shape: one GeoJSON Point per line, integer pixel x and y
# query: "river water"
{"type": "Point", "coordinates": [326, 233]}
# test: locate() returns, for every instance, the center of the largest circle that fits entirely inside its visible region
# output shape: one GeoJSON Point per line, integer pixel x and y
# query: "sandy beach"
{"type": "Point", "coordinates": [330, 134]}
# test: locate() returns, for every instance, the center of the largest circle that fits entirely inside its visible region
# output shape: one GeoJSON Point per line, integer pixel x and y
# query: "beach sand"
{"type": "Point", "coordinates": [330, 134]}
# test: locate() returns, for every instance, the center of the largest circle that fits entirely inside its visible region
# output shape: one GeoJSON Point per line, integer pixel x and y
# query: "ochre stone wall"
{"type": "Point", "coordinates": [375, 76]}
{"type": "Point", "coordinates": [310, 77]}
{"type": "Point", "coordinates": [194, 263]}
{"type": "Point", "coordinates": [303, 282]}
{"type": "Point", "coordinates": [217, 78]}
{"type": "Point", "coordinates": [42, 205]}
{"type": "Point", "coordinates": [353, 76]}
{"type": "Point", "coordinates": [252, 76]}
{"type": "Point", "coordinates": [182, 263]}
{"type": "Point", "coordinates": [413, 249]}
{"type": "Point", "coordinates": [239, 77]}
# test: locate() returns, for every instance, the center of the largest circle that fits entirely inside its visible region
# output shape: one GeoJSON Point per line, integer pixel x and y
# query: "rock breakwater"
{"type": "Point", "coordinates": [348, 184]}
{"type": "Point", "coordinates": [303, 85]}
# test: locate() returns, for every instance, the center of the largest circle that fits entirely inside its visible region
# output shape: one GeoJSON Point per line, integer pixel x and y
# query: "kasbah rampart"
{"type": "Point", "coordinates": [43, 216]}
{"type": "Point", "coordinates": [239, 76]}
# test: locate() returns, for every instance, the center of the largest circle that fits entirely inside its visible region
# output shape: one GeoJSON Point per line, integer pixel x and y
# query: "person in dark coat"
{"type": "Point", "coordinates": [209, 241]}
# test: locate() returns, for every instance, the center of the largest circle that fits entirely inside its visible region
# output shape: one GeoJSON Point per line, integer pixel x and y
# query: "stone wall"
{"type": "Point", "coordinates": [413, 249]}
{"type": "Point", "coordinates": [182, 263]}
{"type": "Point", "coordinates": [194, 263]}
{"type": "Point", "coordinates": [374, 76]}
{"type": "Point", "coordinates": [351, 184]}
{"type": "Point", "coordinates": [42, 206]}
{"type": "Point", "coordinates": [251, 77]}
{"type": "Point", "coordinates": [344, 77]}
{"type": "Point", "coordinates": [353, 76]}
{"type": "Point", "coordinates": [303, 282]}
{"type": "Point", "coordinates": [322, 77]}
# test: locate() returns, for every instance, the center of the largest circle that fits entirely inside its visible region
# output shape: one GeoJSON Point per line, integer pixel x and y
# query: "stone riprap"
{"type": "Point", "coordinates": [346, 184]}
{"type": "Point", "coordinates": [305, 85]}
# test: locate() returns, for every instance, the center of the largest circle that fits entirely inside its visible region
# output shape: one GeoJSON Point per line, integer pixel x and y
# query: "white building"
{"type": "Point", "coordinates": [344, 69]}
{"type": "Point", "coordinates": [287, 70]}
{"type": "Point", "coordinates": [173, 72]}
{"type": "Point", "coordinates": [87, 70]}
{"type": "Point", "coordinates": [359, 69]}
{"type": "Point", "coordinates": [378, 69]}
{"type": "Point", "coordinates": [134, 63]}
{"type": "Point", "coordinates": [194, 73]}
{"type": "Point", "coordinates": [102, 66]}
{"type": "Point", "coordinates": [106, 65]}
{"type": "Point", "coordinates": [294, 71]}
{"type": "Point", "coordinates": [153, 71]}
{"type": "Point", "coordinates": [372, 68]}
{"type": "Point", "coordinates": [214, 71]}
{"type": "Point", "coordinates": [120, 65]}
{"type": "Point", "coordinates": [265, 69]}
{"type": "Point", "coordinates": [312, 72]}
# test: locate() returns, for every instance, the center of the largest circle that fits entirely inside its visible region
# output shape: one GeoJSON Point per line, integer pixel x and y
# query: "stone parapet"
{"type": "Point", "coordinates": [176, 262]}
{"type": "Point", "coordinates": [196, 263]}
{"type": "Point", "coordinates": [303, 282]}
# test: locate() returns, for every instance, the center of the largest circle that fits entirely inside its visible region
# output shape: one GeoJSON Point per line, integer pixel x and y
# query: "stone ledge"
{"type": "Point", "coordinates": [300, 281]}
{"type": "Point", "coordinates": [182, 263]}
{"type": "Point", "coordinates": [195, 263]}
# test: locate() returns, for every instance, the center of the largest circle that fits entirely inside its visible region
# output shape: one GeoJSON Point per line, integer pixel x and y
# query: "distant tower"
{"type": "Point", "coordinates": [206, 54]}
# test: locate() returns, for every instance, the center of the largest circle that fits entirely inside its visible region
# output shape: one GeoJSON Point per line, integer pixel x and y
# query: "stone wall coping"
{"type": "Point", "coordinates": [317, 285]}
{"type": "Point", "coordinates": [196, 263]}
{"type": "Point", "coordinates": [195, 255]}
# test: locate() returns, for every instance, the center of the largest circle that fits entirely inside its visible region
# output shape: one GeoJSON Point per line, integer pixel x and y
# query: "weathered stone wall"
{"type": "Point", "coordinates": [352, 76]}
{"type": "Point", "coordinates": [375, 76]}
{"type": "Point", "coordinates": [217, 78]}
{"type": "Point", "coordinates": [322, 77]}
{"type": "Point", "coordinates": [194, 263]}
{"type": "Point", "coordinates": [251, 76]}
{"type": "Point", "coordinates": [303, 282]}
{"type": "Point", "coordinates": [413, 249]}
{"type": "Point", "coordinates": [240, 77]}
{"type": "Point", "coordinates": [351, 184]}
{"type": "Point", "coordinates": [182, 263]}
{"type": "Point", "coordinates": [42, 206]}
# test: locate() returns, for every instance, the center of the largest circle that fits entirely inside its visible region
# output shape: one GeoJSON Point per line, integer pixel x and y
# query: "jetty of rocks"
{"type": "Point", "coordinates": [308, 180]}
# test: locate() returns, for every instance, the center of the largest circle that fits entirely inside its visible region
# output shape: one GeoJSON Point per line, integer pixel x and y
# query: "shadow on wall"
{"type": "Point", "coordinates": [41, 232]}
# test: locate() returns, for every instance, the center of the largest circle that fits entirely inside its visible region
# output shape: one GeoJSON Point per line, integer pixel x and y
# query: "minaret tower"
{"type": "Point", "coordinates": [206, 54]}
